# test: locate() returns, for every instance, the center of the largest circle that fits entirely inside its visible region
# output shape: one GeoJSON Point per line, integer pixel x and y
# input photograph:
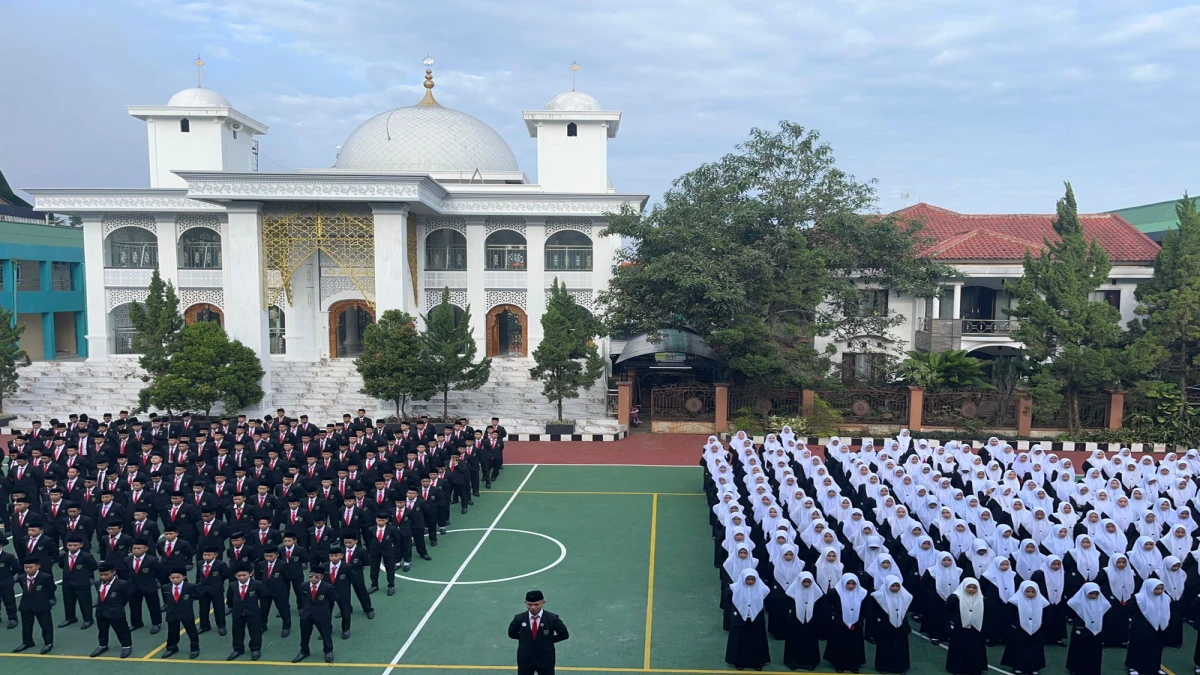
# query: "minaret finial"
{"type": "Point", "coordinates": [574, 69]}
{"type": "Point", "coordinates": [429, 100]}
{"type": "Point", "coordinates": [199, 63]}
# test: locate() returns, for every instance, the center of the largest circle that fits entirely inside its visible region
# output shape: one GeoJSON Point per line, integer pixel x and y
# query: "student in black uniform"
{"type": "Point", "coordinates": [316, 611]}
{"type": "Point", "coordinates": [37, 598]}
{"type": "Point", "coordinates": [355, 559]}
{"type": "Point", "coordinates": [271, 572]}
{"type": "Point", "coordinates": [10, 569]}
{"type": "Point", "coordinates": [339, 578]}
{"type": "Point", "coordinates": [179, 603]}
{"type": "Point", "coordinates": [78, 570]}
{"type": "Point", "coordinates": [112, 594]}
{"type": "Point", "coordinates": [144, 572]}
{"type": "Point", "coordinates": [211, 574]}
{"type": "Point", "coordinates": [383, 544]}
{"type": "Point", "coordinates": [245, 597]}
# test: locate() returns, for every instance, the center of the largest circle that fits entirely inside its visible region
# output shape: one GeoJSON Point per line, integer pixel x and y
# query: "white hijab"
{"type": "Point", "coordinates": [1120, 582]}
{"type": "Point", "coordinates": [1144, 562]}
{"type": "Point", "coordinates": [1155, 608]}
{"type": "Point", "coordinates": [1029, 610]}
{"type": "Point", "coordinates": [850, 600]}
{"type": "Point", "coordinates": [1173, 581]}
{"type": "Point", "coordinates": [1056, 581]}
{"type": "Point", "coordinates": [805, 598]}
{"type": "Point", "coordinates": [828, 573]}
{"type": "Point", "coordinates": [1091, 611]}
{"type": "Point", "coordinates": [893, 603]}
{"type": "Point", "coordinates": [747, 599]}
{"type": "Point", "coordinates": [785, 571]}
{"type": "Point", "coordinates": [1087, 561]}
{"type": "Point", "coordinates": [1003, 581]}
{"type": "Point", "coordinates": [970, 607]}
{"type": "Point", "coordinates": [945, 579]}
{"type": "Point", "coordinates": [1028, 562]}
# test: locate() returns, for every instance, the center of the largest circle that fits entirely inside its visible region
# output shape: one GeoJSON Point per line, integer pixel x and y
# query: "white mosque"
{"type": "Point", "coordinates": [295, 265]}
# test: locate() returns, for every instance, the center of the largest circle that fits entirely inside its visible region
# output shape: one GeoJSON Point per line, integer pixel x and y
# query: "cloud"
{"type": "Point", "coordinates": [1149, 72]}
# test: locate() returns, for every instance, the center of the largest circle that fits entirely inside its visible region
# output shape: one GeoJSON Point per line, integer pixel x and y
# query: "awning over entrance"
{"type": "Point", "coordinates": [673, 342]}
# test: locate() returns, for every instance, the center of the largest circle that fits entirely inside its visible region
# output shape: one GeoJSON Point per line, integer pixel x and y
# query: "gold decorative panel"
{"type": "Point", "coordinates": [412, 259]}
{"type": "Point", "coordinates": [292, 233]}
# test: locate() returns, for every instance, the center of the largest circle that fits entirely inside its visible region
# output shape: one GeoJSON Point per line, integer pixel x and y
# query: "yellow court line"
{"type": "Point", "coordinates": [1165, 669]}
{"type": "Point", "coordinates": [598, 492]}
{"type": "Point", "coordinates": [181, 632]}
{"type": "Point", "coordinates": [650, 581]}
{"type": "Point", "coordinates": [397, 666]}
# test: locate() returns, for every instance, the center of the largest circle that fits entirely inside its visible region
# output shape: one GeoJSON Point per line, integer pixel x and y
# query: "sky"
{"type": "Point", "coordinates": [978, 106]}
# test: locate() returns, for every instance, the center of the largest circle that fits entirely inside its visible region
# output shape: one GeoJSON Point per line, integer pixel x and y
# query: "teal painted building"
{"type": "Point", "coordinates": [41, 278]}
{"type": "Point", "coordinates": [1153, 219]}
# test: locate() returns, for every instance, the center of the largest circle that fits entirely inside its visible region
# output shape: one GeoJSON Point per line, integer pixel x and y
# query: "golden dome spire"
{"type": "Point", "coordinates": [429, 100]}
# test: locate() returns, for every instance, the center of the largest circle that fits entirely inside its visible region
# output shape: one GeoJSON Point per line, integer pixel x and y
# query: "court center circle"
{"type": "Point", "coordinates": [562, 554]}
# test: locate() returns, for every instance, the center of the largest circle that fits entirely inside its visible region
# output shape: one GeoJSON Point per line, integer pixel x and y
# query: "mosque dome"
{"type": "Point", "coordinates": [573, 100]}
{"type": "Point", "coordinates": [425, 137]}
{"type": "Point", "coordinates": [198, 97]}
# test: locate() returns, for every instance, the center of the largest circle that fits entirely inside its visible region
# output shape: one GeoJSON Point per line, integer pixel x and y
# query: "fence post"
{"type": "Point", "coordinates": [721, 403]}
{"type": "Point", "coordinates": [808, 399]}
{"type": "Point", "coordinates": [916, 405]}
{"type": "Point", "coordinates": [1116, 410]}
{"type": "Point", "coordinates": [1024, 413]}
{"type": "Point", "coordinates": [624, 402]}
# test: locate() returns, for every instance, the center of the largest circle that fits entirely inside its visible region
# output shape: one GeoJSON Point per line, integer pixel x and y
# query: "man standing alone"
{"type": "Point", "coordinates": [537, 631]}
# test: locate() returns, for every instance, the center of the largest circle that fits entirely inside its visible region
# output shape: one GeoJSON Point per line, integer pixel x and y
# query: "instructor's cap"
{"type": "Point", "coordinates": [534, 596]}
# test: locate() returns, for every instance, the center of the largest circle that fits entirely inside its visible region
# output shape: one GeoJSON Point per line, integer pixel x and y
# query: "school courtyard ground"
{"type": "Point", "coordinates": [615, 534]}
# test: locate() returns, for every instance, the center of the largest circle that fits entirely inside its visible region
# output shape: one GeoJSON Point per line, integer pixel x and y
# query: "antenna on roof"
{"type": "Point", "coordinates": [574, 69]}
{"type": "Point", "coordinates": [904, 199]}
{"type": "Point", "coordinates": [199, 63]}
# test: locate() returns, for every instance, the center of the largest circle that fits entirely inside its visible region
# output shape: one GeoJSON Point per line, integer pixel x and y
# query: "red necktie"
{"type": "Point", "coordinates": [72, 562]}
{"type": "Point", "coordinates": [32, 543]}
{"type": "Point", "coordinates": [207, 569]}
{"type": "Point", "coordinates": [349, 555]}
{"type": "Point", "coordinates": [243, 592]}
{"type": "Point", "coordinates": [104, 592]}
{"type": "Point", "coordinates": [270, 569]}
{"type": "Point", "coordinates": [262, 538]}
{"type": "Point", "coordinates": [176, 594]}
{"type": "Point", "coordinates": [288, 553]}
{"type": "Point", "coordinates": [379, 536]}
{"type": "Point", "coordinates": [314, 592]}
{"type": "Point", "coordinates": [170, 547]}
{"type": "Point", "coordinates": [137, 565]}
{"type": "Point", "coordinates": [535, 627]}
{"type": "Point", "coordinates": [332, 575]}
{"type": "Point", "coordinates": [29, 583]}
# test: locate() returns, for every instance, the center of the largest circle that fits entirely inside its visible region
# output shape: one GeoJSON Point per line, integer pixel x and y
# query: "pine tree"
{"type": "Point", "coordinates": [12, 357]}
{"type": "Point", "coordinates": [1170, 300]}
{"type": "Point", "coordinates": [392, 363]}
{"type": "Point", "coordinates": [157, 322]}
{"type": "Point", "coordinates": [204, 367]}
{"type": "Point", "coordinates": [1076, 340]}
{"type": "Point", "coordinates": [450, 350]}
{"type": "Point", "coordinates": [567, 358]}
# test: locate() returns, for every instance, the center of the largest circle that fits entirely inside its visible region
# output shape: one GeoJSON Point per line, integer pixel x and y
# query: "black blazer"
{"type": "Point", "coordinates": [539, 652]}
{"type": "Point", "coordinates": [82, 576]}
{"type": "Point", "coordinates": [41, 597]}
{"type": "Point", "coordinates": [320, 609]}
{"type": "Point", "coordinates": [256, 598]}
{"type": "Point", "coordinates": [185, 609]}
{"type": "Point", "coordinates": [113, 604]}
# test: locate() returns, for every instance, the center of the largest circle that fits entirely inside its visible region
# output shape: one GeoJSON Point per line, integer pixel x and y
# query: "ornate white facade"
{"type": "Point", "coordinates": [421, 199]}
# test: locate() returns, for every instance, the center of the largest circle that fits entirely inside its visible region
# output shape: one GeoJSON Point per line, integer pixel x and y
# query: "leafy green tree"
{"type": "Point", "coordinates": [393, 364]}
{"type": "Point", "coordinates": [204, 367]}
{"type": "Point", "coordinates": [944, 370]}
{"type": "Point", "coordinates": [567, 359]}
{"type": "Point", "coordinates": [12, 357]}
{"type": "Point", "coordinates": [157, 322]}
{"type": "Point", "coordinates": [450, 350]}
{"type": "Point", "coordinates": [763, 251]}
{"type": "Point", "coordinates": [1077, 342]}
{"type": "Point", "coordinates": [1171, 303]}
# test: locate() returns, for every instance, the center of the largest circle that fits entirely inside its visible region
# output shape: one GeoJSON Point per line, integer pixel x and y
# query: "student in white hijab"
{"type": "Point", "coordinates": [1149, 621]}
{"type": "Point", "coordinates": [1178, 542]}
{"type": "Point", "coordinates": [1024, 651]}
{"type": "Point", "coordinates": [887, 625]}
{"type": "Point", "coordinates": [938, 583]}
{"type": "Point", "coordinates": [1175, 586]}
{"type": "Point", "coordinates": [802, 647]}
{"type": "Point", "coordinates": [977, 560]}
{"type": "Point", "coordinates": [1059, 541]}
{"type": "Point", "coordinates": [747, 644]}
{"type": "Point", "coordinates": [998, 585]}
{"type": "Point", "coordinates": [1028, 559]}
{"type": "Point", "coordinates": [1118, 583]}
{"type": "Point", "coordinates": [1088, 607]}
{"type": "Point", "coordinates": [829, 569]}
{"type": "Point", "coordinates": [1051, 581]}
{"type": "Point", "coordinates": [844, 650]}
{"type": "Point", "coordinates": [1145, 557]}
{"type": "Point", "coordinates": [966, 609]}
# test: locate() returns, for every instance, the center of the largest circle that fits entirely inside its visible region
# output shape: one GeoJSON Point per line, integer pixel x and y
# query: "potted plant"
{"type": "Point", "coordinates": [560, 427]}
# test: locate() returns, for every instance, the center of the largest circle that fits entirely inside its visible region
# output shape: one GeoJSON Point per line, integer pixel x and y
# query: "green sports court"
{"type": "Point", "coordinates": [623, 553]}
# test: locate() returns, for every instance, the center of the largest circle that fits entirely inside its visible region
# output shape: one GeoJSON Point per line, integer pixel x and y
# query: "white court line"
{"type": "Point", "coordinates": [990, 666]}
{"type": "Point", "coordinates": [667, 466]}
{"type": "Point", "coordinates": [454, 579]}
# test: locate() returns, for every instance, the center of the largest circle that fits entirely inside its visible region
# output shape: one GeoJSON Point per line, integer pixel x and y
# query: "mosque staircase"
{"type": "Point", "coordinates": [323, 390]}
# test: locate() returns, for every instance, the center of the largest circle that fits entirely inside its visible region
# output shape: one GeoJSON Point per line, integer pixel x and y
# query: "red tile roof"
{"type": "Point", "coordinates": [1006, 237]}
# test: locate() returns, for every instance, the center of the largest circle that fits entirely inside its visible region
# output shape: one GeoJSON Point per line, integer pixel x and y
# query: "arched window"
{"type": "Point", "coordinates": [185, 125]}
{"type": "Point", "coordinates": [204, 311]}
{"type": "Point", "coordinates": [569, 250]}
{"type": "Point", "coordinates": [277, 324]}
{"type": "Point", "coordinates": [122, 329]}
{"type": "Point", "coordinates": [458, 314]}
{"type": "Point", "coordinates": [200, 249]}
{"type": "Point", "coordinates": [572, 129]}
{"type": "Point", "coordinates": [445, 249]}
{"type": "Point", "coordinates": [132, 247]}
{"type": "Point", "coordinates": [505, 250]}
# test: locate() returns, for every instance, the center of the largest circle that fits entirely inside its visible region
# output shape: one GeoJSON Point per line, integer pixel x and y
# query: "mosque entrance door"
{"type": "Point", "coordinates": [507, 333]}
{"type": "Point", "coordinates": [347, 322]}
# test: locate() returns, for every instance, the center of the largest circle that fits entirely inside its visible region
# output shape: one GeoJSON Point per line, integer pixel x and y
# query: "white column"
{"type": "Point", "coordinates": [535, 295]}
{"type": "Point", "coordinates": [242, 274]}
{"type": "Point", "coordinates": [393, 287]}
{"type": "Point", "coordinates": [302, 332]}
{"type": "Point", "coordinates": [168, 250]}
{"type": "Point", "coordinates": [957, 301]}
{"type": "Point", "coordinates": [93, 274]}
{"type": "Point", "coordinates": [476, 284]}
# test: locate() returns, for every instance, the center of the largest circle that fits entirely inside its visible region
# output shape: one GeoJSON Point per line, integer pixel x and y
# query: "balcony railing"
{"type": "Point", "coordinates": [29, 284]}
{"type": "Point", "coordinates": [61, 284]}
{"type": "Point", "coordinates": [133, 255]}
{"type": "Point", "coordinates": [203, 256]}
{"type": "Point", "coordinates": [506, 257]}
{"type": "Point", "coordinates": [446, 258]}
{"type": "Point", "coordinates": [569, 258]}
{"type": "Point", "coordinates": [123, 341]}
{"type": "Point", "coordinates": [969, 326]}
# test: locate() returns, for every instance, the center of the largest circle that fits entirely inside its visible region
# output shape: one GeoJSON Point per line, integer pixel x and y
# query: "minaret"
{"type": "Point", "coordinates": [572, 133]}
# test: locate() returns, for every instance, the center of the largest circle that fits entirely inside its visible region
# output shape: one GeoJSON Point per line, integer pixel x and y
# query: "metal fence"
{"type": "Point", "coordinates": [569, 258]}
{"type": "Point", "coordinates": [138, 255]}
{"type": "Point", "coordinates": [123, 341]}
{"type": "Point", "coordinates": [446, 258]}
{"type": "Point", "coordinates": [870, 405]}
{"type": "Point", "coordinates": [959, 407]}
{"type": "Point", "coordinates": [691, 402]}
{"type": "Point", "coordinates": [1093, 413]}
{"type": "Point", "coordinates": [773, 402]}
{"type": "Point", "coordinates": [506, 257]}
{"type": "Point", "coordinates": [200, 256]}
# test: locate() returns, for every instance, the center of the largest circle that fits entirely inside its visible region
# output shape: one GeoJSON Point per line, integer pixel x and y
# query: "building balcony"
{"type": "Point", "coordinates": [939, 335]}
